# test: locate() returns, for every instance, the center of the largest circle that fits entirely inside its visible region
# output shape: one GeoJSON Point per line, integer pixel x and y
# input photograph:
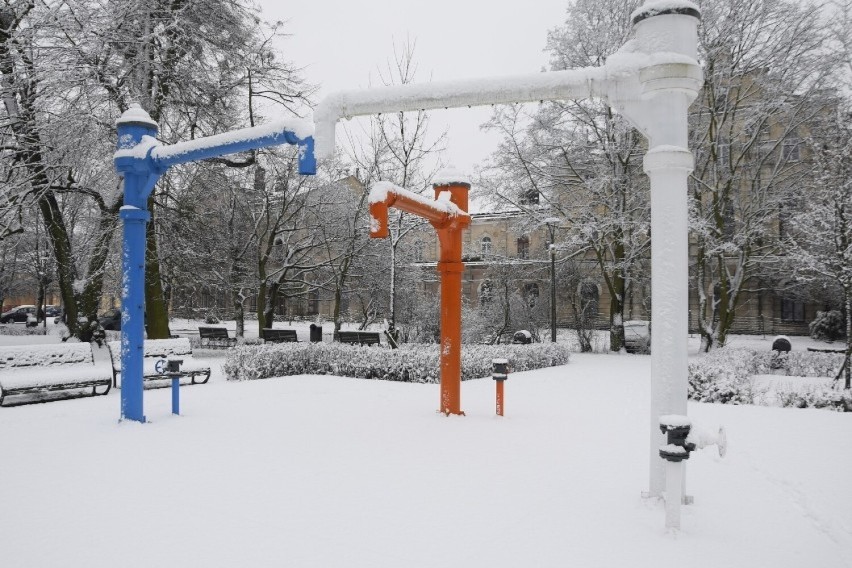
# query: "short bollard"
{"type": "Point", "coordinates": [173, 369]}
{"type": "Point", "coordinates": [500, 372]}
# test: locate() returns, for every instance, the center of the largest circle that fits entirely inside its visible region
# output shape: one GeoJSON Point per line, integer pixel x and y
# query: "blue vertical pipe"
{"type": "Point", "coordinates": [307, 158]}
{"type": "Point", "coordinates": [138, 178]}
{"type": "Point", "coordinates": [175, 394]}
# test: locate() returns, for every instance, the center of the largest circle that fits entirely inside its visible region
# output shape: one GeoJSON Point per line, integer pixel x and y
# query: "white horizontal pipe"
{"type": "Point", "coordinates": [555, 85]}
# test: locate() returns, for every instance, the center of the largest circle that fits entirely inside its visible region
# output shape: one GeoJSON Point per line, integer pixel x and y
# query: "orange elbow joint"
{"type": "Point", "coordinates": [378, 220]}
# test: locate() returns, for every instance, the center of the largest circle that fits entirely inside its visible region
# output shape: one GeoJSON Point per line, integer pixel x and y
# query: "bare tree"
{"type": "Point", "coordinates": [821, 235]}
{"type": "Point", "coordinates": [765, 71]}
{"type": "Point", "coordinates": [398, 149]}
{"type": "Point", "coordinates": [579, 161]}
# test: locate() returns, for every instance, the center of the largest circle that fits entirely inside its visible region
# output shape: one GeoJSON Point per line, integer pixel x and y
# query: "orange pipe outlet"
{"type": "Point", "coordinates": [450, 268]}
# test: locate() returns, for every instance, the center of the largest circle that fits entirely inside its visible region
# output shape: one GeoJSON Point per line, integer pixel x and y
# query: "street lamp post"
{"type": "Point", "coordinates": [552, 250]}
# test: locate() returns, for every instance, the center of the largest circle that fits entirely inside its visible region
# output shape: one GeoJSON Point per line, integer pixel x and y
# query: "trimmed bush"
{"type": "Point", "coordinates": [819, 396]}
{"type": "Point", "coordinates": [412, 363]}
{"type": "Point", "coordinates": [828, 326]}
{"type": "Point", "coordinates": [12, 329]}
{"type": "Point", "coordinates": [724, 376]}
{"type": "Point", "coordinates": [798, 363]}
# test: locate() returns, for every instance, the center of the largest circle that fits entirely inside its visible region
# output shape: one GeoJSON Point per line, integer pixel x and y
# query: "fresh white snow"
{"type": "Point", "coordinates": [327, 471]}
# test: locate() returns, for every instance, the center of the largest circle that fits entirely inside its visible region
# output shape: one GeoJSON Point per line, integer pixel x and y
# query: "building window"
{"type": "Point", "coordinates": [589, 300]}
{"type": "Point", "coordinates": [790, 150]}
{"type": "Point", "coordinates": [313, 302]}
{"type": "Point", "coordinates": [524, 247]}
{"type": "Point", "coordinates": [529, 197]}
{"type": "Point", "coordinates": [486, 292]}
{"type": "Point", "coordinates": [723, 151]}
{"type": "Point", "coordinates": [792, 310]}
{"type": "Point", "coordinates": [531, 294]}
{"type": "Point", "coordinates": [729, 221]}
{"type": "Point", "coordinates": [485, 245]}
{"type": "Point", "coordinates": [418, 251]}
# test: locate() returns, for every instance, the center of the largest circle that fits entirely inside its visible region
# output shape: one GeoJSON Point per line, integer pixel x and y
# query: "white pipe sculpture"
{"type": "Point", "coordinates": [651, 81]}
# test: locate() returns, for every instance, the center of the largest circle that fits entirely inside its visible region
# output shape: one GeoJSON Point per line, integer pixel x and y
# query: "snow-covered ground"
{"type": "Point", "coordinates": [327, 471]}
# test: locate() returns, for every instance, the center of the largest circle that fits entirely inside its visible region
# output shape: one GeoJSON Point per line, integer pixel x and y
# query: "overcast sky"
{"type": "Point", "coordinates": [343, 42]}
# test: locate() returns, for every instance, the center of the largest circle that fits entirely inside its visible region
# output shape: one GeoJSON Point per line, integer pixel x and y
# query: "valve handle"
{"type": "Point", "coordinates": [160, 366]}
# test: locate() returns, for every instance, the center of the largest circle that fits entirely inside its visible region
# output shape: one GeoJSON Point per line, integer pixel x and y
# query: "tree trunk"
{"type": "Point", "coordinates": [616, 308]}
{"type": "Point", "coordinates": [848, 361]}
{"type": "Point", "coordinates": [239, 314]}
{"type": "Point", "coordinates": [156, 310]}
{"type": "Point", "coordinates": [336, 309]}
{"type": "Point", "coordinates": [269, 303]}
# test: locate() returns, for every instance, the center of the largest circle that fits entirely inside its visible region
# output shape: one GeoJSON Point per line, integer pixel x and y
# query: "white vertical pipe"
{"type": "Point", "coordinates": [668, 168]}
{"type": "Point", "coordinates": [663, 117]}
{"type": "Point", "coordinates": [674, 484]}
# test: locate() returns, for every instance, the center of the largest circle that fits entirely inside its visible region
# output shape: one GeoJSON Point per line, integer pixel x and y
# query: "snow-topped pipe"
{"type": "Point", "coordinates": [660, 56]}
{"type": "Point", "coordinates": [557, 85]}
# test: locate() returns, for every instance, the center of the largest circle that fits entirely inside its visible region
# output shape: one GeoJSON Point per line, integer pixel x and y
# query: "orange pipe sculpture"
{"type": "Point", "coordinates": [448, 214]}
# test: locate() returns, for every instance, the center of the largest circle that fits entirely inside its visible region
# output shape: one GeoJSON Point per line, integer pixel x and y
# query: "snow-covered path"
{"type": "Point", "coordinates": [325, 472]}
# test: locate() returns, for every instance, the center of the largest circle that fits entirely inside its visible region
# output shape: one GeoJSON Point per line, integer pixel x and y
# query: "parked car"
{"type": "Point", "coordinates": [51, 311]}
{"type": "Point", "coordinates": [637, 336]}
{"type": "Point", "coordinates": [18, 315]}
{"type": "Point", "coordinates": [110, 320]}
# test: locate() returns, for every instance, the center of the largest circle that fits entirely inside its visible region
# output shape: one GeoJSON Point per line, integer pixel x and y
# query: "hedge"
{"type": "Point", "coordinates": [725, 376]}
{"type": "Point", "coordinates": [413, 363]}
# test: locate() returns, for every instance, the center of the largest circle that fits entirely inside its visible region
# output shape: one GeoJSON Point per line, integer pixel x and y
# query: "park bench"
{"type": "Point", "coordinates": [360, 337]}
{"type": "Point", "coordinates": [278, 335]}
{"type": "Point", "coordinates": [216, 337]}
{"type": "Point", "coordinates": [65, 368]}
{"type": "Point", "coordinates": [157, 350]}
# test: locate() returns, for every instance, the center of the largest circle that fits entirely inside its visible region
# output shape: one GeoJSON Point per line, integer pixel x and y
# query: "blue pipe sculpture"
{"type": "Point", "coordinates": [141, 160]}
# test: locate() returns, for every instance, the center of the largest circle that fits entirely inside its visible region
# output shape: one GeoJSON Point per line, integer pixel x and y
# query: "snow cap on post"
{"type": "Point", "coordinates": [653, 8]}
{"type": "Point", "coordinates": [453, 182]}
{"type": "Point", "coordinates": [135, 115]}
{"type": "Point", "coordinates": [450, 176]}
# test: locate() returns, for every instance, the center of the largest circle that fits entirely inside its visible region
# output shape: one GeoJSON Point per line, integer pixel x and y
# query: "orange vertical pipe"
{"type": "Point", "coordinates": [499, 397]}
{"type": "Point", "coordinates": [451, 279]}
{"type": "Point", "coordinates": [451, 267]}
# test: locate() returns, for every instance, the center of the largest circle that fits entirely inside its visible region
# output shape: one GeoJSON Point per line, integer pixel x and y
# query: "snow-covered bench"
{"type": "Point", "coordinates": [359, 337]}
{"type": "Point", "coordinates": [39, 369]}
{"type": "Point", "coordinates": [216, 337]}
{"type": "Point", "coordinates": [278, 335]}
{"type": "Point", "coordinates": [159, 349]}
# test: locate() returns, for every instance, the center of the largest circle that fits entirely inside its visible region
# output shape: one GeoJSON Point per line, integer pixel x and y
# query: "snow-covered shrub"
{"type": "Point", "coordinates": [823, 396]}
{"type": "Point", "coordinates": [21, 330]}
{"type": "Point", "coordinates": [828, 326]}
{"type": "Point", "coordinates": [410, 363]}
{"type": "Point", "coordinates": [211, 318]}
{"type": "Point", "coordinates": [798, 363]}
{"type": "Point", "coordinates": [723, 376]}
